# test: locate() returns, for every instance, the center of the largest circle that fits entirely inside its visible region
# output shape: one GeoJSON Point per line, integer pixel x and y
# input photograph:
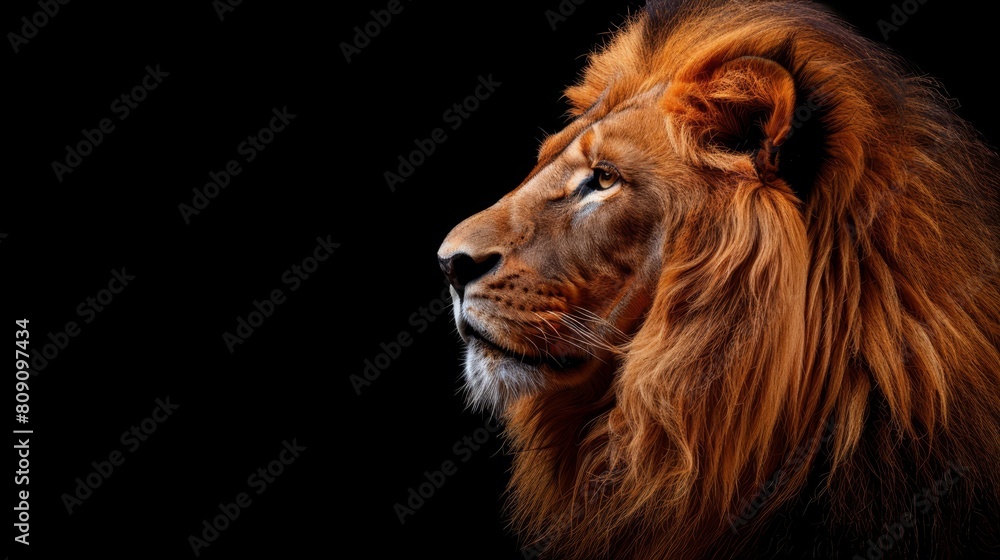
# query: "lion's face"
{"type": "Point", "coordinates": [552, 278]}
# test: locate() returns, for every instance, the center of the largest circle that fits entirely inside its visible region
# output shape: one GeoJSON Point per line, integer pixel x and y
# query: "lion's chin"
{"type": "Point", "coordinates": [494, 379]}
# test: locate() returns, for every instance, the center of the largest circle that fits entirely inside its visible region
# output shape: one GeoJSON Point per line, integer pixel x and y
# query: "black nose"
{"type": "Point", "coordinates": [461, 269]}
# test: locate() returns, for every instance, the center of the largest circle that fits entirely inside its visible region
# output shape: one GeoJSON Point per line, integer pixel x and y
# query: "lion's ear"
{"type": "Point", "coordinates": [745, 105]}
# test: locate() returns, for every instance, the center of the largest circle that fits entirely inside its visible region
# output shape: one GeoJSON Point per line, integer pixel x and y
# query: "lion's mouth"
{"type": "Point", "coordinates": [553, 361]}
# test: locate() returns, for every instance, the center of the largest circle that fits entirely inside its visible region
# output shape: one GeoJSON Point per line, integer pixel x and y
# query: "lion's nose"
{"type": "Point", "coordinates": [461, 269]}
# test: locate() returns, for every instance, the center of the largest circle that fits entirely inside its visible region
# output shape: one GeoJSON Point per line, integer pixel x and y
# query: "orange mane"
{"type": "Point", "coordinates": [853, 365]}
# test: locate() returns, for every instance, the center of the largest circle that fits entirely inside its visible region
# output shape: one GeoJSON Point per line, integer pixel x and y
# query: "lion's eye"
{"type": "Point", "coordinates": [604, 178]}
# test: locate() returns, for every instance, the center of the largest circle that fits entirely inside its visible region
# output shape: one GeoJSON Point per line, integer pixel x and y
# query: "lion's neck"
{"type": "Point", "coordinates": [559, 440]}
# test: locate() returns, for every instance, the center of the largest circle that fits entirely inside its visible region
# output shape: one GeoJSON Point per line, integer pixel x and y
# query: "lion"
{"type": "Point", "coordinates": [746, 304]}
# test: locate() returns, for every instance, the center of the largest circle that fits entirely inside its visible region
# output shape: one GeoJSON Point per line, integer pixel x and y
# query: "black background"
{"type": "Point", "coordinates": [322, 176]}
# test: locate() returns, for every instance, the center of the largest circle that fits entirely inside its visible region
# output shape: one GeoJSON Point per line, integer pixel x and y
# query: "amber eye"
{"type": "Point", "coordinates": [604, 178]}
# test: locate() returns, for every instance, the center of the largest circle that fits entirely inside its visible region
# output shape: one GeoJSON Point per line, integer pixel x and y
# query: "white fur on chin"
{"type": "Point", "coordinates": [492, 383]}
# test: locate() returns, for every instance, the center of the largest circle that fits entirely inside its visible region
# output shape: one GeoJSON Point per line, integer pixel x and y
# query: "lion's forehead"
{"type": "Point", "coordinates": [627, 134]}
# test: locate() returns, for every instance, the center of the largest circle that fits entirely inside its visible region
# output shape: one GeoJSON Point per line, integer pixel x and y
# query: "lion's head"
{"type": "Point", "coordinates": [750, 291]}
{"type": "Point", "coordinates": [552, 278]}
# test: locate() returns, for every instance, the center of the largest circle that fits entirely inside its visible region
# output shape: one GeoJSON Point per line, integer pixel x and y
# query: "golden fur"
{"type": "Point", "coordinates": [777, 335]}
